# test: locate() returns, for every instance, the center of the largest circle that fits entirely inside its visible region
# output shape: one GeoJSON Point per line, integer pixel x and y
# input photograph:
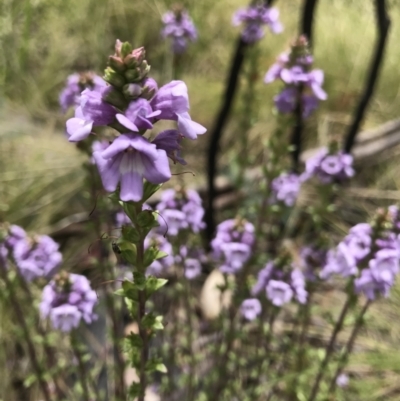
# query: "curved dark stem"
{"type": "Point", "coordinates": [216, 133]}
{"type": "Point", "coordinates": [308, 19]}
{"type": "Point", "coordinates": [383, 22]}
{"type": "Point", "coordinates": [306, 30]}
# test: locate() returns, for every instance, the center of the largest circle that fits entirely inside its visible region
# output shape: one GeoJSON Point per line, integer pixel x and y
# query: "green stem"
{"type": "Point", "coordinates": [349, 347]}
{"type": "Point", "coordinates": [141, 312]}
{"type": "Point", "coordinates": [20, 317]}
{"type": "Point", "coordinates": [329, 350]}
{"type": "Point", "coordinates": [83, 377]}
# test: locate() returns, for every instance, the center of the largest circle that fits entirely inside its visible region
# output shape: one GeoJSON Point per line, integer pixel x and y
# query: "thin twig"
{"type": "Point", "coordinates": [349, 347]}
{"type": "Point", "coordinates": [20, 317]}
{"type": "Point", "coordinates": [216, 133]}
{"type": "Point", "coordinates": [329, 349]}
{"type": "Point", "coordinates": [383, 23]}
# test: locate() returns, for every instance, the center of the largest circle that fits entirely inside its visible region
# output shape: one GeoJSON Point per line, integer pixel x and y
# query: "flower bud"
{"type": "Point", "coordinates": [116, 99]}
{"type": "Point", "coordinates": [118, 47]}
{"type": "Point", "coordinates": [113, 78]}
{"type": "Point", "coordinates": [133, 75]}
{"type": "Point", "coordinates": [150, 88]}
{"type": "Point", "coordinates": [132, 91]}
{"type": "Point", "coordinates": [116, 63]}
{"type": "Point", "coordinates": [126, 48]}
{"type": "Point", "coordinates": [135, 58]}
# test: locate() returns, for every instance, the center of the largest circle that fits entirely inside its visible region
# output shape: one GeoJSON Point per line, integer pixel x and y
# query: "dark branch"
{"type": "Point", "coordinates": [383, 23]}
{"type": "Point", "coordinates": [216, 133]}
{"type": "Point", "coordinates": [306, 30]}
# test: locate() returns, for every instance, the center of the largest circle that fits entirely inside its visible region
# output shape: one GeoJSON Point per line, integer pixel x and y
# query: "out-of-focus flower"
{"type": "Point", "coordinates": [254, 18]}
{"type": "Point", "coordinates": [180, 210]}
{"type": "Point", "coordinates": [37, 258]}
{"type": "Point", "coordinates": [67, 300]}
{"type": "Point", "coordinates": [342, 380]}
{"type": "Point", "coordinates": [286, 188]}
{"type": "Point", "coordinates": [160, 266]}
{"type": "Point", "coordinates": [250, 308]}
{"type": "Point", "coordinates": [279, 292]}
{"type": "Point", "coordinates": [329, 167]}
{"type": "Point", "coordinates": [339, 261]}
{"type": "Point", "coordinates": [179, 27]}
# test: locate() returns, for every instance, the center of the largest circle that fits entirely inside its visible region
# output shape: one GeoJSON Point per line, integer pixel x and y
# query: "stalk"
{"type": "Point", "coordinates": [349, 347]}
{"type": "Point", "coordinates": [329, 350]}
{"type": "Point", "coordinates": [83, 377]}
{"type": "Point", "coordinates": [20, 316]}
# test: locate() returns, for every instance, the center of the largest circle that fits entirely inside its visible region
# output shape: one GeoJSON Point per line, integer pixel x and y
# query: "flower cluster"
{"type": "Point", "coordinates": [233, 244]}
{"type": "Point", "coordinates": [180, 209]}
{"type": "Point", "coordinates": [285, 188]}
{"type": "Point", "coordinates": [312, 259]}
{"type": "Point", "coordinates": [371, 253]}
{"type": "Point", "coordinates": [132, 103]}
{"type": "Point", "coordinates": [250, 308]}
{"type": "Point", "coordinates": [67, 300]}
{"type": "Point", "coordinates": [281, 286]}
{"type": "Point", "coordinates": [75, 85]}
{"type": "Point", "coordinates": [180, 28]}
{"type": "Point", "coordinates": [300, 81]}
{"type": "Point", "coordinates": [254, 17]}
{"type": "Point", "coordinates": [191, 258]}
{"type": "Point", "coordinates": [329, 167]}
{"type": "Point", "coordinates": [34, 257]}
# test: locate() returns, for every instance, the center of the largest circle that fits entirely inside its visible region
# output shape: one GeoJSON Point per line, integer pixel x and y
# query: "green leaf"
{"type": "Point", "coordinates": [153, 284]}
{"type": "Point", "coordinates": [150, 189]}
{"type": "Point", "coordinates": [134, 340]}
{"type": "Point", "coordinates": [128, 251]}
{"type": "Point", "coordinates": [120, 292]}
{"type": "Point", "coordinates": [30, 380]}
{"type": "Point", "coordinates": [126, 49]}
{"type": "Point", "coordinates": [152, 322]}
{"type": "Point", "coordinates": [130, 234]}
{"type": "Point", "coordinates": [155, 364]}
{"type": "Point", "coordinates": [139, 280]}
{"type": "Point", "coordinates": [134, 390]}
{"type": "Point", "coordinates": [151, 254]}
{"type": "Point", "coordinates": [131, 208]}
{"type": "Point", "coordinates": [130, 290]}
{"type": "Point", "coordinates": [146, 218]}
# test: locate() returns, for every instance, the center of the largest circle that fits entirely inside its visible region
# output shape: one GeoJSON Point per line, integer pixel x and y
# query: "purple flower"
{"type": "Point", "coordinates": [254, 17]}
{"type": "Point", "coordinates": [279, 292]}
{"type": "Point", "coordinates": [235, 256]}
{"type": "Point", "coordinates": [359, 241]}
{"type": "Point", "coordinates": [367, 285]}
{"type": "Point", "coordinates": [314, 80]}
{"type": "Point", "coordinates": [180, 210]}
{"type": "Point", "coordinates": [312, 259]}
{"type": "Point", "coordinates": [67, 300]}
{"type": "Point", "coordinates": [192, 268]}
{"type": "Point", "coordinates": [232, 244]}
{"type": "Point", "coordinates": [127, 160]}
{"type": "Point", "coordinates": [180, 28]}
{"type": "Point", "coordinates": [138, 116]}
{"type": "Point", "coordinates": [263, 277]}
{"type": "Point", "coordinates": [169, 141]}
{"type": "Point", "coordinates": [173, 103]}
{"type": "Point", "coordinates": [339, 261]}
{"type": "Point", "coordinates": [385, 266]}
{"type": "Point", "coordinates": [286, 101]}
{"type": "Point", "coordinates": [329, 167]}
{"type": "Point", "coordinates": [93, 111]}
{"type": "Point", "coordinates": [286, 188]}
{"type": "Point", "coordinates": [250, 308]}
{"type": "Point", "coordinates": [37, 258]}
{"type": "Point", "coordinates": [275, 70]}
{"type": "Point", "coordinates": [293, 75]}
{"type": "Point", "coordinates": [76, 83]}
{"type": "Point", "coordinates": [342, 380]}
{"type": "Point", "coordinates": [298, 285]}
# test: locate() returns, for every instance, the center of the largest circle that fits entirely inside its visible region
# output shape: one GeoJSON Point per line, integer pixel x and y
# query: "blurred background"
{"type": "Point", "coordinates": [43, 41]}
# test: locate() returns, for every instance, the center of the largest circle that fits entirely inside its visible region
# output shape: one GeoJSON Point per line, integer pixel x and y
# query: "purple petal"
{"type": "Point", "coordinates": [188, 127]}
{"type": "Point", "coordinates": [78, 129]}
{"type": "Point", "coordinates": [109, 171]}
{"type": "Point", "coordinates": [126, 122]}
{"type": "Point", "coordinates": [131, 187]}
{"type": "Point", "coordinates": [157, 171]}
